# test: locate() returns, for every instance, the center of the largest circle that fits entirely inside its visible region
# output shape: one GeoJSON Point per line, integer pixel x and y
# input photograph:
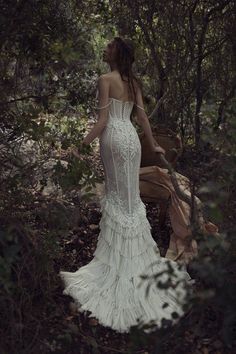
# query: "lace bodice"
{"type": "Point", "coordinates": [120, 152]}
{"type": "Point", "coordinates": [120, 110]}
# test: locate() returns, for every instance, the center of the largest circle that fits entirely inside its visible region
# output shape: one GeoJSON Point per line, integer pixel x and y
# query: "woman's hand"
{"type": "Point", "coordinates": [159, 149]}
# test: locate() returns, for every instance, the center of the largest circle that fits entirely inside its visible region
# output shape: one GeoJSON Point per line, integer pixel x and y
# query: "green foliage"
{"type": "Point", "coordinates": [47, 89]}
{"type": "Point", "coordinates": [9, 255]}
{"type": "Point", "coordinates": [50, 61]}
{"type": "Point", "coordinates": [182, 48]}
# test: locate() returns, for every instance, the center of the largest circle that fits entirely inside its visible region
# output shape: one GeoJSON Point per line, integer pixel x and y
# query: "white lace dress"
{"type": "Point", "coordinates": [110, 286]}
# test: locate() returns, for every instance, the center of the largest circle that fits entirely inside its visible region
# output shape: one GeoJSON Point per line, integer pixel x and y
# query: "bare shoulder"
{"type": "Point", "coordinates": [104, 77]}
{"type": "Point", "coordinates": [103, 81]}
{"type": "Point", "coordinates": [111, 76]}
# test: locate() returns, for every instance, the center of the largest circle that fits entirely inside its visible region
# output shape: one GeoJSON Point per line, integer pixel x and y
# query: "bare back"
{"type": "Point", "coordinates": [119, 88]}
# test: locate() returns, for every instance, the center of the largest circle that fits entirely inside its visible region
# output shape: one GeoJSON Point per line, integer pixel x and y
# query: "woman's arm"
{"type": "Point", "coordinates": [103, 107]}
{"type": "Point", "coordinates": [143, 121]}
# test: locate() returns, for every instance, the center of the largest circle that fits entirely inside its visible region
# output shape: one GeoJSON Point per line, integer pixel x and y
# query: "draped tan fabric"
{"type": "Point", "coordinates": [155, 183]}
{"type": "Point", "coordinates": [168, 140]}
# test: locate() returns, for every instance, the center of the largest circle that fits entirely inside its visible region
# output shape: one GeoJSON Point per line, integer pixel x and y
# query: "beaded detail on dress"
{"type": "Point", "coordinates": [110, 287]}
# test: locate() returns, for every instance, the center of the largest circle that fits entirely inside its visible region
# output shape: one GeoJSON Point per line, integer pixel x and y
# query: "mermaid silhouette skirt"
{"type": "Point", "coordinates": [111, 286]}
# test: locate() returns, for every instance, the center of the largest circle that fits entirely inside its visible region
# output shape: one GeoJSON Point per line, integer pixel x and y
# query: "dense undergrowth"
{"type": "Point", "coordinates": [50, 62]}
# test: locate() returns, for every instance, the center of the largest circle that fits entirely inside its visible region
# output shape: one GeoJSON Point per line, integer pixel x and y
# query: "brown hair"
{"type": "Point", "coordinates": [124, 59]}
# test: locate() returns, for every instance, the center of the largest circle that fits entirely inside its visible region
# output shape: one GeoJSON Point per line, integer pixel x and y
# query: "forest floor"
{"type": "Point", "coordinates": [64, 330]}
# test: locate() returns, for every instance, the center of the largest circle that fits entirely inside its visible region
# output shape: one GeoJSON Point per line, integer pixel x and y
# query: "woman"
{"type": "Point", "coordinates": [110, 286]}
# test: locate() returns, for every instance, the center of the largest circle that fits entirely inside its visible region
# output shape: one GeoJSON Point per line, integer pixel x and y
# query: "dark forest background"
{"type": "Point", "coordinates": [51, 57]}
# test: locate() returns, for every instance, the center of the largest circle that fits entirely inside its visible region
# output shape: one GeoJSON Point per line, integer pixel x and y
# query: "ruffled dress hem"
{"type": "Point", "coordinates": [110, 287]}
